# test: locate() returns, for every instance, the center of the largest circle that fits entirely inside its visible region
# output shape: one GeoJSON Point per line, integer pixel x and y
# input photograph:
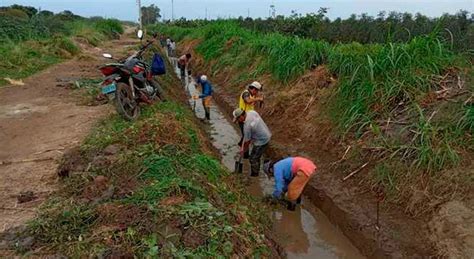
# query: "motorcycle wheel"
{"type": "Point", "coordinates": [124, 102]}
{"type": "Point", "coordinates": [159, 91]}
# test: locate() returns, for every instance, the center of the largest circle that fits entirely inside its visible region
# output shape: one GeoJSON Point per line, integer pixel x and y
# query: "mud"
{"type": "Point", "coordinates": [304, 233]}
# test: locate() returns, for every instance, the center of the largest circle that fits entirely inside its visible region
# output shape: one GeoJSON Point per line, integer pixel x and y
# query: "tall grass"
{"type": "Point", "coordinates": [29, 44]}
{"type": "Point", "coordinates": [284, 57]}
{"type": "Point", "coordinates": [375, 80]}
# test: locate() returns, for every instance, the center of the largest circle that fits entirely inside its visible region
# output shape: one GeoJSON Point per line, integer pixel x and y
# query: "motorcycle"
{"type": "Point", "coordinates": [129, 82]}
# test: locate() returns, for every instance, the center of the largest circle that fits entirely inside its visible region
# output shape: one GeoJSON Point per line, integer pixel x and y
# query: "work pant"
{"type": "Point", "coordinates": [206, 102]}
{"type": "Point", "coordinates": [182, 70]}
{"type": "Point", "coordinates": [296, 186]}
{"type": "Point", "coordinates": [255, 157]}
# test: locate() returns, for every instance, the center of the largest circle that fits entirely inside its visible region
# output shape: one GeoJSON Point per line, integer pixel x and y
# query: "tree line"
{"type": "Point", "coordinates": [456, 29]}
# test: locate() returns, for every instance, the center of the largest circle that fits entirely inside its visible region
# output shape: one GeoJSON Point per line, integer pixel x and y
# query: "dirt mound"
{"type": "Point", "coordinates": [453, 230]}
{"type": "Point", "coordinates": [121, 216]}
{"type": "Point", "coordinates": [72, 161]}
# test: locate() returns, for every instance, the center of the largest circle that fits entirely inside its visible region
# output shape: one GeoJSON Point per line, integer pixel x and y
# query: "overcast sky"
{"type": "Point", "coordinates": [125, 9]}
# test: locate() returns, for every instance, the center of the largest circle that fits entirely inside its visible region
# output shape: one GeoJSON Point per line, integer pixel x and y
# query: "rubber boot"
{"type": "Point", "coordinates": [207, 110]}
{"type": "Point", "coordinates": [291, 206]}
{"type": "Point", "coordinates": [298, 201]}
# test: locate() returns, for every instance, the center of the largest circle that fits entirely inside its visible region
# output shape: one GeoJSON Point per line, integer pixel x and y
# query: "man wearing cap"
{"type": "Point", "coordinates": [206, 95]}
{"type": "Point", "coordinates": [250, 96]}
{"type": "Point", "coordinates": [255, 131]}
{"type": "Point", "coordinates": [291, 176]}
{"type": "Point", "coordinates": [247, 101]}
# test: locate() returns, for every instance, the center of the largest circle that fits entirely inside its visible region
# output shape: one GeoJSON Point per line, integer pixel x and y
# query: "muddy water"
{"type": "Point", "coordinates": [304, 233]}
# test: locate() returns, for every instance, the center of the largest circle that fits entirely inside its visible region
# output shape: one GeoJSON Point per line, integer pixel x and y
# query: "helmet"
{"type": "Point", "coordinates": [256, 85]}
{"type": "Point", "coordinates": [203, 78]}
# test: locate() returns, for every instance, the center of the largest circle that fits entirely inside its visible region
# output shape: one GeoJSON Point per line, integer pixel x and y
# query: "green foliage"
{"type": "Point", "coordinates": [112, 28]}
{"type": "Point", "coordinates": [29, 42]}
{"type": "Point", "coordinates": [150, 14]}
{"type": "Point", "coordinates": [58, 224]}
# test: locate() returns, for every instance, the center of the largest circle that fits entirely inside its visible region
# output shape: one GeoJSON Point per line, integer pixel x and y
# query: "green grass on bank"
{"type": "Point", "coordinates": [377, 84]}
{"type": "Point", "coordinates": [168, 196]}
{"type": "Point", "coordinates": [30, 44]}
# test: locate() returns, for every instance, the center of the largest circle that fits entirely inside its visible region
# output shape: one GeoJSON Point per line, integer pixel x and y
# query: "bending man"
{"type": "Point", "coordinates": [291, 176]}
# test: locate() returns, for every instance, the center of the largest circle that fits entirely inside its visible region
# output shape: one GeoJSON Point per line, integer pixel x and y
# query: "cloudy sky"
{"type": "Point", "coordinates": [125, 9]}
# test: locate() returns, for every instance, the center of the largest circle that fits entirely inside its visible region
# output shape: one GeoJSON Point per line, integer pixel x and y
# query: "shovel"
{"type": "Point", "coordinates": [239, 165]}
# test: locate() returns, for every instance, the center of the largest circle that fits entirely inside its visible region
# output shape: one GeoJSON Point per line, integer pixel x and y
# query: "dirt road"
{"type": "Point", "coordinates": [38, 121]}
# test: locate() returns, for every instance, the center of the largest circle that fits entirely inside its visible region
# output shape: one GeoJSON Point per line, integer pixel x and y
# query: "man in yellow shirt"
{"type": "Point", "coordinates": [250, 96]}
{"type": "Point", "coordinates": [247, 100]}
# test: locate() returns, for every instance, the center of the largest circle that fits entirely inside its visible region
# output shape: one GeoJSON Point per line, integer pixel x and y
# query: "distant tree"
{"type": "Point", "coordinates": [150, 14]}
{"type": "Point", "coordinates": [45, 13]}
{"type": "Point", "coordinates": [30, 11]}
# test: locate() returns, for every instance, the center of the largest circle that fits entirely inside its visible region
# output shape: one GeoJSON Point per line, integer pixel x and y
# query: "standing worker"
{"type": "Point", "coordinates": [256, 133]}
{"type": "Point", "coordinates": [172, 48]}
{"type": "Point", "coordinates": [183, 63]}
{"type": "Point", "coordinates": [291, 176]}
{"type": "Point", "coordinates": [247, 101]}
{"type": "Point", "coordinates": [168, 44]}
{"type": "Point", "coordinates": [206, 95]}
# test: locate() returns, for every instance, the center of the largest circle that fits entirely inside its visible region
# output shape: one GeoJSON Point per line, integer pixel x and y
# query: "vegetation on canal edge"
{"type": "Point", "coordinates": [422, 86]}
{"type": "Point", "coordinates": [150, 188]}
{"type": "Point", "coordinates": [31, 41]}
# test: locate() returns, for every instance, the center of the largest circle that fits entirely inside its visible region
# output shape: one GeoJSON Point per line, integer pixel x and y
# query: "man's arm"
{"type": "Point", "coordinates": [247, 138]}
{"type": "Point", "coordinates": [279, 181]}
{"type": "Point", "coordinates": [249, 99]}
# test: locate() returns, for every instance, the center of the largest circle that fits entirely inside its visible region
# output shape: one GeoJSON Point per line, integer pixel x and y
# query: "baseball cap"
{"type": "Point", "coordinates": [237, 113]}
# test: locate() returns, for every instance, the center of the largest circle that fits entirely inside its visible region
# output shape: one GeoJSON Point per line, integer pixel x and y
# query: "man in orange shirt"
{"type": "Point", "coordinates": [291, 176]}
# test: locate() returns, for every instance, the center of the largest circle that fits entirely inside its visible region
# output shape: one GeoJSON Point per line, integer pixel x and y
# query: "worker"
{"type": "Point", "coordinates": [255, 132]}
{"type": "Point", "coordinates": [168, 45]}
{"type": "Point", "coordinates": [206, 95]}
{"type": "Point", "coordinates": [247, 101]}
{"type": "Point", "coordinates": [291, 176]}
{"type": "Point", "coordinates": [250, 96]}
{"type": "Point", "coordinates": [183, 63]}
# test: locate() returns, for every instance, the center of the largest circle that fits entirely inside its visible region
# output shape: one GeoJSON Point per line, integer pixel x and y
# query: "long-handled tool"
{"type": "Point", "coordinates": [239, 165]}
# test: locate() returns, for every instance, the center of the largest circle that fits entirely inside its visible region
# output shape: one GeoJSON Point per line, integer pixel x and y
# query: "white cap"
{"type": "Point", "coordinates": [257, 85]}
{"type": "Point", "coordinates": [203, 78]}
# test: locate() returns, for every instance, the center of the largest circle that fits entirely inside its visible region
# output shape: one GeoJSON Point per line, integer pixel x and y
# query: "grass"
{"type": "Point", "coordinates": [172, 197]}
{"type": "Point", "coordinates": [29, 45]}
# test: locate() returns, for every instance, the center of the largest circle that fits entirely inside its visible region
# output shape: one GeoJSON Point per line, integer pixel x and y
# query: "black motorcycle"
{"type": "Point", "coordinates": [130, 82]}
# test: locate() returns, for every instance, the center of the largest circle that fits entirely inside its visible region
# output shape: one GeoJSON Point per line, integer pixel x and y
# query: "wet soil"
{"type": "Point", "coordinates": [38, 122]}
{"type": "Point", "coordinates": [304, 233]}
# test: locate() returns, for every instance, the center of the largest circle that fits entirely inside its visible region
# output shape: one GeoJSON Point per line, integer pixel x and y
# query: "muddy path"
{"type": "Point", "coordinates": [304, 233]}
{"type": "Point", "coordinates": [38, 122]}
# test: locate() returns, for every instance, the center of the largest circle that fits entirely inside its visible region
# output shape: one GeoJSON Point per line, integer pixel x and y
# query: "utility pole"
{"type": "Point", "coordinates": [172, 10]}
{"type": "Point", "coordinates": [206, 15]}
{"type": "Point", "coordinates": [248, 12]}
{"type": "Point", "coordinates": [139, 3]}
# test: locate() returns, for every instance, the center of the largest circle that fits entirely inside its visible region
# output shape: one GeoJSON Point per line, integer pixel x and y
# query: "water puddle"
{"type": "Point", "coordinates": [304, 233]}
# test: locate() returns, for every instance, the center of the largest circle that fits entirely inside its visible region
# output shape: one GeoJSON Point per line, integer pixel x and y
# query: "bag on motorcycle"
{"type": "Point", "coordinates": [158, 65]}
